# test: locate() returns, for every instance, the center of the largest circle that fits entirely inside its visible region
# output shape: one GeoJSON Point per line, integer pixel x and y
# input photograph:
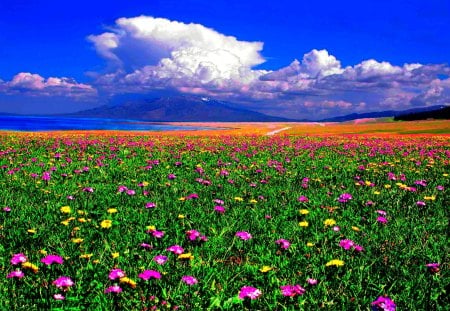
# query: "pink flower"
{"type": "Point", "coordinates": [46, 176]}
{"type": "Point", "coordinates": [284, 244]}
{"type": "Point", "coordinates": [58, 297]}
{"type": "Point", "coordinates": [382, 220]}
{"type": "Point", "coordinates": [50, 259]}
{"type": "Point", "coordinates": [115, 289]}
{"type": "Point", "coordinates": [219, 209]}
{"type": "Point", "coordinates": [171, 176]}
{"type": "Point", "coordinates": [345, 197]}
{"type": "Point", "coordinates": [311, 281]}
{"type": "Point", "coordinates": [383, 304]}
{"type": "Point", "coordinates": [7, 209]}
{"type": "Point", "coordinates": [63, 282]}
{"type": "Point", "coordinates": [336, 228]}
{"type": "Point", "coordinates": [150, 274]}
{"type": "Point", "coordinates": [243, 235]}
{"type": "Point", "coordinates": [381, 212]}
{"type": "Point", "coordinates": [292, 290]}
{"type": "Point", "coordinates": [217, 201]}
{"type": "Point", "coordinates": [420, 203]}
{"type": "Point", "coordinates": [88, 189]}
{"type": "Point", "coordinates": [160, 259]}
{"type": "Point", "coordinates": [15, 274]}
{"type": "Point", "coordinates": [146, 246]}
{"type": "Point", "coordinates": [303, 199]}
{"type": "Point", "coordinates": [346, 244]}
{"type": "Point", "coordinates": [122, 189]}
{"type": "Point", "coordinates": [116, 274]}
{"type": "Point", "coordinates": [157, 234]}
{"type": "Point", "coordinates": [189, 280]}
{"type": "Point", "coordinates": [433, 267]}
{"type": "Point", "coordinates": [249, 292]}
{"type": "Point", "coordinates": [18, 259]}
{"type": "Point", "coordinates": [176, 249]}
{"type": "Point", "coordinates": [131, 192]}
{"type": "Point", "coordinates": [150, 205]}
{"type": "Point", "coordinates": [358, 248]}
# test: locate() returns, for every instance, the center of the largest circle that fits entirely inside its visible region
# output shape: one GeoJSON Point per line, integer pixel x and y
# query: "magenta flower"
{"type": "Point", "coordinates": [189, 280]}
{"type": "Point", "coordinates": [146, 246]}
{"type": "Point", "coordinates": [122, 189]}
{"type": "Point", "coordinates": [249, 292]}
{"type": "Point", "coordinates": [433, 267]}
{"type": "Point", "coordinates": [292, 290]}
{"type": "Point", "coordinates": [284, 244]}
{"type": "Point", "coordinates": [63, 282]}
{"type": "Point", "coordinates": [420, 203]}
{"type": "Point", "coordinates": [382, 220]}
{"type": "Point", "coordinates": [116, 274]}
{"type": "Point", "coordinates": [7, 209]}
{"type": "Point", "coordinates": [192, 234]}
{"type": "Point", "coordinates": [15, 274]}
{"type": "Point", "coordinates": [346, 244]}
{"type": "Point", "coordinates": [58, 297]}
{"type": "Point", "coordinates": [218, 201]}
{"type": "Point", "coordinates": [440, 188]}
{"type": "Point", "coordinates": [157, 234]}
{"type": "Point", "coordinates": [219, 209]}
{"type": "Point", "coordinates": [336, 229]}
{"type": "Point", "coordinates": [383, 304]}
{"type": "Point", "coordinates": [150, 205]}
{"type": "Point", "coordinates": [243, 235]}
{"type": "Point", "coordinates": [88, 189]}
{"type": "Point", "coordinates": [176, 249]}
{"type": "Point", "coordinates": [381, 212]}
{"type": "Point", "coordinates": [115, 289]}
{"type": "Point", "coordinates": [358, 248]}
{"type": "Point", "coordinates": [131, 192]}
{"type": "Point", "coordinates": [150, 274]}
{"type": "Point", "coordinates": [18, 259]}
{"type": "Point", "coordinates": [303, 199]}
{"type": "Point", "coordinates": [160, 259]}
{"type": "Point", "coordinates": [311, 281]}
{"type": "Point", "coordinates": [46, 176]}
{"type": "Point", "coordinates": [345, 197]}
{"type": "Point", "coordinates": [51, 259]}
{"type": "Point", "coordinates": [171, 176]}
{"type": "Point", "coordinates": [192, 196]}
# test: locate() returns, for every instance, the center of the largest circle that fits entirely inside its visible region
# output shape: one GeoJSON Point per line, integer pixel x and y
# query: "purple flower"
{"type": "Point", "coordinates": [150, 205]}
{"type": "Point", "coordinates": [382, 220]}
{"type": "Point", "coordinates": [219, 209]}
{"type": "Point", "coordinates": [440, 188]}
{"type": "Point", "coordinates": [381, 212]}
{"type": "Point", "coordinates": [116, 274]}
{"type": "Point", "coordinates": [433, 267]}
{"type": "Point", "coordinates": [146, 246]}
{"type": "Point", "coordinates": [7, 209]}
{"type": "Point", "coordinates": [303, 199]}
{"type": "Point", "coordinates": [171, 176]}
{"type": "Point", "coordinates": [115, 289]}
{"type": "Point", "coordinates": [51, 259]}
{"type": "Point", "coordinates": [176, 249]}
{"type": "Point", "coordinates": [284, 244]}
{"type": "Point", "coordinates": [292, 290]}
{"type": "Point", "coordinates": [131, 192]}
{"type": "Point", "coordinates": [18, 259]}
{"type": "Point", "coordinates": [160, 259]}
{"type": "Point", "coordinates": [217, 201]}
{"type": "Point", "coordinates": [15, 274]}
{"type": "Point", "coordinates": [358, 248]}
{"type": "Point", "coordinates": [192, 196]}
{"type": "Point", "coordinates": [58, 297]}
{"type": "Point", "coordinates": [189, 280]}
{"type": "Point", "coordinates": [150, 274]}
{"type": "Point", "coordinates": [346, 244]}
{"type": "Point", "coordinates": [345, 197]}
{"type": "Point", "coordinates": [63, 282]}
{"type": "Point", "coordinates": [311, 281]}
{"type": "Point", "coordinates": [243, 235]}
{"type": "Point", "coordinates": [420, 203]}
{"type": "Point", "coordinates": [157, 234]}
{"type": "Point", "coordinates": [249, 292]}
{"type": "Point", "coordinates": [383, 304]}
{"type": "Point", "coordinates": [88, 189]}
{"type": "Point", "coordinates": [46, 176]}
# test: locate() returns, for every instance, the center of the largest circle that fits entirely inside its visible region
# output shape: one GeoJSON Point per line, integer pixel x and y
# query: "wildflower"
{"type": "Point", "coordinates": [113, 289]}
{"type": "Point", "coordinates": [358, 248]}
{"type": "Point", "coordinates": [292, 290]}
{"type": "Point", "coordinates": [86, 256]}
{"type": "Point", "coordinates": [284, 244]}
{"type": "Point", "coordinates": [249, 292]}
{"type": "Point", "coordinates": [176, 249]}
{"type": "Point", "coordinates": [150, 205]}
{"type": "Point", "coordinates": [304, 212]}
{"type": "Point", "coordinates": [185, 256]}
{"type": "Point", "coordinates": [116, 274]}
{"type": "Point", "coordinates": [420, 203]}
{"type": "Point", "coordinates": [329, 222]}
{"type": "Point", "coordinates": [265, 269]}
{"type": "Point", "coordinates": [303, 199]}
{"type": "Point", "coordinates": [18, 259]}
{"type": "Point", "coordinates": [171, 176]}
{"type": "Point", "coordinates": [243, 235]}
{"type": "Point", "coordinates": [381, 212]}
{"type": "Point", "coordinates": [303, 224]}
{"type": "Point", "coordinates": [218, 201]}
{"type": "Point", "coordinates": [354, 228]}
{"type": "Point", "coordinates": [105, 224]}
{"type": "Point", "coordinates": [382, 220]}
{"type": "Point", "coordinates": [7, 209]}
{"type": "Point", "coordinates": [122, 189]}
{"type": "Point", "coordinates": [336, 229]}
{"type": "Point", "coordinates": [65, 209]}
{"type": "Point", "coordinates": [128, 281]}
{"type": "Point", "coordinates": [433, 267]}
{"type": "Point", "coordinates": [346, 244]}
{"type": "Point", "coordinates": [311, 281]}
{"type": "Point", "coordinates": [15, 274]}
{"type": "Point", "coordinates": [51, 259]}
{"type": "Point", "coordinates": [29, 265]}
{"type": "Point", "coordinates": [430, 198]}
{"type": "Point", "coordinates": [219, 209]}
{"type": "Point", "coordinates": [32, 231]}
{"type": "Point", "coordinates": [157, 234]}
{"type": "Point", "coordinates": [181, 216]}
{"type": "Point", "coordinates": [160, 259]}
{"type": "Point", "coordinates": [115, 255]}
{"type": "Point", "coordinates": [145, 245]}
{"type": "Point", "coordinates": [88, 189]}
{"type": "Point", "coordinates": [63, 282]}
{"type": "Point", "coordinates": [440, 188]}
{"type": "Point", "coordinates": [112, 210]}
{"type": "Point", "coordinates": [77, 240]}
{"type": "Point", "coordinates": [149, 274]}
{"type": "Point", "coordinates": [130, 192]}
{"type": "Point", "coordinates": [58, 297]}
{"type": "Point", "coordinates": [383, 304]}
{"type": "Point", "coordinates": [189, 280]}
{"type": "Point", "coordinates": [238, 199]}
{"type": "Point", "coordinates": [309, 244]}
{"type": "Point", "coordinates": [335, 262]}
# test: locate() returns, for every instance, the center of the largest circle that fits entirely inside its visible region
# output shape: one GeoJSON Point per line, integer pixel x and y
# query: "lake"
{"type": "Point", "coordinates": [38, 124]}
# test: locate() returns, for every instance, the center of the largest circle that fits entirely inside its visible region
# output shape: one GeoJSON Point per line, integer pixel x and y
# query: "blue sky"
{"type": "Point", "coordinates": [55, 55]}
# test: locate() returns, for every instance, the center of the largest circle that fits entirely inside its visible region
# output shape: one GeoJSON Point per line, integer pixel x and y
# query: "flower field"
{"type": "Point", "coordinates": [235, 222]}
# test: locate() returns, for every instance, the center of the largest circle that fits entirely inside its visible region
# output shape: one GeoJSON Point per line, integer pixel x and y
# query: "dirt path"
{"type": "Point", "coordinates": [277, 131]}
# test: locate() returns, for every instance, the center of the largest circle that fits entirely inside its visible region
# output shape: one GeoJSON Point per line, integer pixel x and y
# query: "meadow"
{"type": "Point", "coordinates": [195, 221]}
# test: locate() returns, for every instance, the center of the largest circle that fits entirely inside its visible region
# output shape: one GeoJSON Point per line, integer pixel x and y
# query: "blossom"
{"type": "Point", "coordinates": [346, 244]}
{"type": "Point", "coordinates": [433, 267]}
{"type": "Point", "coordinates": [189, 280]}
{"type": "Point", "coordinates": [113, 289]}
{"type": "Point", "coordinates": [382, 220]}
{"type": "Point", "coordinates": [160, 259]}
{"type": "Point", "coordinates": [105, 224]}
{"type": "Point", "coordinates": [176, 249]}
{"type": "Point", "coordinates": [383, 304]}
{"type": "Point", "coordinates": [243, 235]}
{"type": "Point", "coordinates": [219, 209]}
{"type": "Point", "coordinates": [29, 265]}
{"type": "Point", "coordinates": [128, 281]}
{"type": "Point", "coordinates": [18, 258]}
{"type": "Point", "coordinates": [292, 290]}
{"type": "Point", "coordinates": [303, 212]}
{"type": "Point", "coordinates": [65, 209]}
{"type": "Point", "coordinates": [50, 259]}
{"type": "Point", "coordinates": [116, 274]}
{"type": "Point", "coordinates": [303, 199]}
{"type": "Point", "coordinates": [63, 282]}
{"type": "Point", "coordinates": [345, 197]}
{"type": "Point", "coordinates": [7, 209]}
{"type": "Point", "coordinates": [186, 256]}
{"type": "Point", "coordinates": [58, 297]}
{"type": "Point", "coordinates": [420, 203]}
{"type": "Point", "coordinates": [15, 274]}
{"type": "Point", "coordinates": [284, 244]}
{"type": "Point", "coordinates": [265, 269]}
{"type": "Point", "coordinates": [329, 222]}
{"type": "Point", "coordinates": [249, 292]}
{"type": "Point", "coordinates": [150, 274]}
{"type": "Point", "coordinates": [311, 281]}
{"type": "Point", "coordinates": [303, 223]}
{"type": "Point", "coordinates": [335, 262]}
{"type": "Point", "coordinates": [150, 205]}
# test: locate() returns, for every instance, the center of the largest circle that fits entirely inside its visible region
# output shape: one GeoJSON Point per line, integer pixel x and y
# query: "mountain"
{"type": "Point", "coordinates": [442, 113]}
{"type": "Point", "coordinates": [380, 114]}
{"type": "Point", "coordinates": [177, 109]}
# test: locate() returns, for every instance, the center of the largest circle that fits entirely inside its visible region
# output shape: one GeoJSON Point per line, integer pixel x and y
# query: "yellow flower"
{"type": "Point", "coordinates": [145, 183]}
{"type": "Point", "coordinates": [329, 222]}
{"type": "Point", "coordinates": [355, 228]}
{"type": "Point", "coordinates": [112, 210]}
{"type": "Point", "coordinates": [309, 244]}
{"type": "Point", "coordinates": [128, 281]}
{"type": "Point", "coordinates": [42, 252]}
{"type": "Point", "coordinates": [96, 261]}
{"type": "Point", "coordinates": [445, 174]}
{"type": "Point", "coordinates": [253, 201]}
{"type": "Point", "coordinates": [81, 212]}
{"type": "Point", "coordinates": [304, 212]}
{"type": "Point", "coordinates": [387, 186]}
{"type": "Point", "coordinates": [181, 216]}
{"type": "Point", "coordinates": [77, 240]}
{"type": "Point", "coordinates": [76, 229]}
{"type": "Point", "coordinates": [82, 219]}
{"type": "Point", "coordinates": [29, 265]}
{"type": "Point", "coordinates": [335, 262]}
{"type": "Point", "coordinates": [303, 224]}
{"type": "Point", "coordinates": [65, 222]}
{"type": "Point", "coordinates": [376, 192]}
{"type": "Point", "coordinates": [32, 231]}
{"type": "Point", "coordinates": [431, 198]}
{"type": "Point", "coordinates": [65, 209]}
{"type": "Point", "coordinates": [265, 269]}
{"type": "Point", "coordinates": [187, 256]}
{"type": "Point", "coordinates": [86, 256]}
{"type": "Point", "coordinates": [151, 228]}
{"type": "Point", "coordinates": [368, 183]}
{"type": "Point", "coordinates": [106, 224]}
{"type": "Point", "coordinates": [115, 255]}
{"type": "Point", "coordinates": [238, 199]}
{"type": "Point", "coordinates": [182, 199]}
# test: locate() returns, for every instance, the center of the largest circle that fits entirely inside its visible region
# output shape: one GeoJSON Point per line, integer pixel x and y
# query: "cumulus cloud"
{"type": "Point", "coordinates": [36, 85]}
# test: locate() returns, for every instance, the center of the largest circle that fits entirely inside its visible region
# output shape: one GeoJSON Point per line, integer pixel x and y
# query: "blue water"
{"type": "Point", "coordinates": [38, 124]}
